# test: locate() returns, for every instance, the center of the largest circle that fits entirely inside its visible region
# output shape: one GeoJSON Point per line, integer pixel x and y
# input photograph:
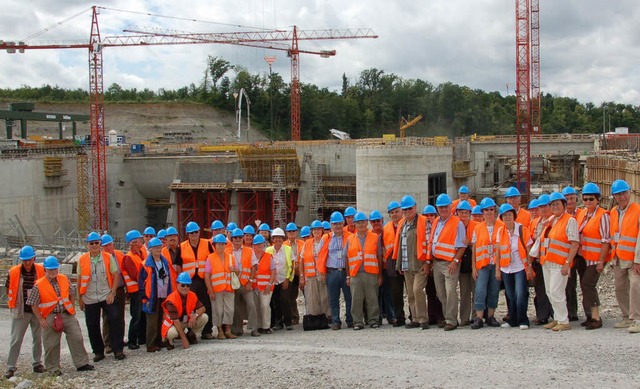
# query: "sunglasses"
{"type": "Point", "coordinates": [588, 199]}
{"type": "Point", "coordinates": [185, 285]}
{"type": "Point", "coordinates": [93, 243]}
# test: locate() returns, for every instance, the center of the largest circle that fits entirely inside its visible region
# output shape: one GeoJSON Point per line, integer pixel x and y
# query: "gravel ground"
{"type": "Point", "coordinates": [372, 358]}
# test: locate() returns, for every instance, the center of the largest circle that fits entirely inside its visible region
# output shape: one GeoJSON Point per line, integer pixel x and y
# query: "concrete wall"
{"type": "Point", "coordinates": [127, 205]}
{"type": "Point", "coordinates": [385, 173]}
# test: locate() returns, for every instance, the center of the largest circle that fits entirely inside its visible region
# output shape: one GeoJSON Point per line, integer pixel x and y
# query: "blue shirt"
{"type": "Point", "coordinates": [335, 257]}
{"type": "Point", "coordinates": [459, 236]}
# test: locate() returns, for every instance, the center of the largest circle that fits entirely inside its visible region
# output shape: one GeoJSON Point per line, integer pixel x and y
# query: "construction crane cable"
{"type": "Point", "coordinates": [60, 23]}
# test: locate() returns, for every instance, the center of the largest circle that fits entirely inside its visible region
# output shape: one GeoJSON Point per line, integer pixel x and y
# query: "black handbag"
{"type": "Point", "coordinates": [465, 261]}
{"type": "Point", "coordinates": [315, 322]}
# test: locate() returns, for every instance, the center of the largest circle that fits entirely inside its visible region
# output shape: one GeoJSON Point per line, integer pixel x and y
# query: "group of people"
{"type": "Point", "coordinates": [452, 259]}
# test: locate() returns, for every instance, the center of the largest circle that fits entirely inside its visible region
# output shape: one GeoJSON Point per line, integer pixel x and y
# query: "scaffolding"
{"type": "Point", "coordinates": [606, 168]}
{"type": "Point", "coordinates": [84, 194]}
{"type": "Point", "coordinates": [339, 192]}
{"type": "Point", "coordinates": [257, 164]}
{"type": "Point", "coordinates": [315, 187]}
{"type": "Point", "coordinates": [279, 195]}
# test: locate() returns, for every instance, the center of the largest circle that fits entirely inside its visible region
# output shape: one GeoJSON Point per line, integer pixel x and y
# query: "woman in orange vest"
{"type": "Point", "coordinates": [484, 259]}
{"type": "Point", "coordinates": [593, 226]}
{"type": "Point", "coordinates": [217, 277]}
{"type": "Point", "coordinates": [313, 271]}
{"type": "Point", "coordinates": [514, 241]}
{"type": "Point", "coordinates": [465, 279]}
{"type": "Point", "coordinates": [560, 247]}
{"type": "Point", "coordinates": [263, 287]}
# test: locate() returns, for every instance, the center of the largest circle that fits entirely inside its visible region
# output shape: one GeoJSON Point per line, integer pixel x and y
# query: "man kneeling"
{"type": "Point", "coordinates": [184, 315]}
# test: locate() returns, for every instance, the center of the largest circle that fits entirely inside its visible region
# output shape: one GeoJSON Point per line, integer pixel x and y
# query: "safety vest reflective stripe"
{"type": "Point", "coordinates": [137, 259]}
{"type": "Point", "coordinates": [189, 268]}
{"type": "Point", "coordinates": [175, 299]}
{"type": "Point", "coordinates": [262, 280]}
{"type": "Point", "coordinates": [192, 259]}
{"type": "Point", "coordinates": [624, 246]}
{"type": "Point", "coordinates": [366, 257]}
{"type": "Point", "coordinates": [49, 304]}
{"type": "Point", "coordinates": [220, 277]}
{"type": "Point", "coordinates": [85, 270]}
{"type": "Point", "coordinates": [445, 246]}
{"type": "Point", "coordinates": [308, 260]}
{"type": "Point", "coordinates": [558, 245]}
{"type": "Point", "coordinates": [14, 282]}
{"type": "Point", "coordinates": [263, 272]}
{"type": "Point", "coordinates": [48, 297]}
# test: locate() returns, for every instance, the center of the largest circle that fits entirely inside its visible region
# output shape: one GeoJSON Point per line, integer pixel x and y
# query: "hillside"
{"type": "Point", "coordinates": [146, 122]}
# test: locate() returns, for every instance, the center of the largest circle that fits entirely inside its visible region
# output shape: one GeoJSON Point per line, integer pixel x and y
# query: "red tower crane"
{"type": "Point", "coordinates": [264, 39]}
{"type": "Point", "coordinates": [527, 87]}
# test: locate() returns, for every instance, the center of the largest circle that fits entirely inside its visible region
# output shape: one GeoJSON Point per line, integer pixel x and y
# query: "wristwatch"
{"type": "Point", "coordinates": [456, 260]}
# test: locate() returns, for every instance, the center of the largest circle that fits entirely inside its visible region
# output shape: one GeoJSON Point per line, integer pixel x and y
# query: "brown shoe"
{"type": "Point", "coordinates": [206, 336]}
{"type": "Point", "coordinates": [39, 369]}
{"type": "Point", "coordinates": [10, 373]}
{"type": "Point", "coordinates": [192, 338]}
{"type": "Point", "coordinates": [450, 327]}
{"type": "Point", "coordinates": [593, 324]}
{"type": "Point", "coordinates": [221, 335]}
{"type": "Point", "coordinates": [550, 325]}
{"type": "Point", "coordinates": [229, 335]}
{"type": "Point", "coordinates": [153, 349]}
{"type": "Point", "coordinates": [562, 327]}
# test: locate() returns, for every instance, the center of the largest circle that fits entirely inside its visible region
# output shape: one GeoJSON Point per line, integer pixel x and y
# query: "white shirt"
{"type": "Point", "coordinates": [280, 261]}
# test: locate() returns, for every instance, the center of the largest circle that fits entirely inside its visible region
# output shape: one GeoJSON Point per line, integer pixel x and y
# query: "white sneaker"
{"type": "Point", "coordinates": [524, 327]}
{"type": "Point", "coordinates": [505, 325]}
{"type": "Point", "coordinates": [635, 327]}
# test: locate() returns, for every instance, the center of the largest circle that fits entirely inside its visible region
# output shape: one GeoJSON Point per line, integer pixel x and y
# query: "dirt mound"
{"type": "Point", "coordinates": [149, 122]}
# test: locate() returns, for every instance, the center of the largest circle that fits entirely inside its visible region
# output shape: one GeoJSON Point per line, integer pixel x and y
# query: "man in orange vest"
{"type": "Point", "coordinates": [245, 264]}
{"type": "Point", "coordinates": [183, 314]}
{"type": "Point", "coordinates": [52, 300]}
{"type": "Point", "coordinates": [385, 301]}
{"type": "Point", "coordinates": [296, 249]}
{"type": "Point", "coordinates": [364, 261]}
{"type": "Point", "coordinates": [171, 250]}
{"type": "Point", "coordinates": [193, 259]}
{"type": "Point", "coordinates": [121, 297]}
{"type": "Point", "coordinates": [445, 251]}
{"type": "Point", "coordinates": [131, 264]}
{"type": "Point", "coordinates": [396, 278]}
{"type": "Point", "coordinates": [336, 274]}
{"type": "Point", "coordinates": [98, 280]}
{"type": "Point", "coordinates": [20, 281]}
{"type": "Point", "coordinates": [512, 197]}
{"type": "Point", "coordinates": [463, 195]}
{"type": "Point", "coordinates": [625, 226]}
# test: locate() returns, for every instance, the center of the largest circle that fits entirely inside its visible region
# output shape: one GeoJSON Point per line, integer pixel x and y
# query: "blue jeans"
{"type": "Point", "coordinates": [385, 300]}
{"type": "Point", "coordinates": [517, 290]}
{"type": "Point", "coordinates": [336, 281]}
{"type": "Point", "coordinates": [487, 289]}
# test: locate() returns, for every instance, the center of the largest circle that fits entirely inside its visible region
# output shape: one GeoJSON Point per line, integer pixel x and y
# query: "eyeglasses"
{"type": "Point", "coordinates": [194, 232]}
{"type": "Point", "coordinates": [588, 199]}
{"type": "Point", "coordinates": [184, 285]}
{"type": "Point", "coordinates": [376, 221]}
{"type": "Point", "coordinates": [94, 243]}
{"type": "Point", "coordinates": [237, 237]}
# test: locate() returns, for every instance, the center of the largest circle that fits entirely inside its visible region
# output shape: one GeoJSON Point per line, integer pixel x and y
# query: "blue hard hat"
{"type": "Point", "coordinates": [487, 202]}
{"type": "Point", "coordinates": [106, 239]}
{"type": "Point", "coordinates": [429, 210]}
{"type": "Point", "coordinates": [476, 210]}
{"type": "Point", "coordinates": [93, 236]}
{"type": "Point", "coordinates": [217, 225]}
{"type": "Point", "coordinates": [443, 200]}
{"type": "Point", "coordinates": [192, 227]}
{"type": "Point", "coordinates": [149, 231]}
{"type": "Point", "coordinates": [619, 186]}
{"type": "Point", "coordinates": [392, 205]}
{"type": "Point", "coordinates": [407, 202]}
{"type": "Point", "coordinates": [291, 227]}
{"type": "Point", "coordinates": [463, 189]}
{"type": "Point", "coordinates": [533, 204]}
{"type": "Point", "coordinates": [543, 200]}
{"type": "Point", "coordinates": [463, 206]}
{"type": "Point", "coordinates": [512, 192]}
{"type": "Point", "coordinates": [231, 226]}
{"type": "Point", "coordinates": [219, 238]}
{"type": "Point", "coordinates": [237, 232]}
{"type": "Point", "coordinates": [259, 239]}
{"type": "Point", "coordinates": [555, 196]}
{"type": "Point", "coordinates": [264, 227]}
{"type": "Point", "coordinates": [591, 188]}
{"type": "Point", "coordinates": [131, 235]}
{"type": "Point", "coordinates": [316, 224]}
{"type": "Point", "coordinates": [154, 242]}
{"type": "Point", "coordinates": [184, 278]}
{"type": "Point", "coordinates": [326, 225]}
{"type": "Point", "coordinates": [336, 217]}
{"type": "Point", "coordinates": [506, 208]}
{"type": "Point", "coordinates": [27, 253]}
{"type": "Point", "coordinates": [172, 231]}
{"type": "Point", "coordinates": [162, 234]}
{"type": "Point", "coordinates": [568, 190]}
{"type": "Point", "coordinates": [375, 215]}
{"type": "Point", "coordinates": [360, 217]}
{"type": "Point", "coordinates": [249, 230]}
{"type": "Point", "coordinates": [305, 231]}
{"type": "Point", "coordinates": [51, 263]}
{"type": "Point", "coordinates": [350, 211]}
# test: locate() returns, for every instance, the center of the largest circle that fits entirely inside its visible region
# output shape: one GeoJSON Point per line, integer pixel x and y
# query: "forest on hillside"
{"type": "Point", "coordinates": [372, 106]}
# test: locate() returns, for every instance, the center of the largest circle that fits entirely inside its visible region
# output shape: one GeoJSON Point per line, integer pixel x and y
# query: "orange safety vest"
{"type": "Point", "coordinates": [245, 261]}
{"type": "Point", "coordinates": [505, 246]}
{"type": "Point", "coordinates": [446, 245]}
{"type": "Point", "coordinates": [523, 217]}
{"type": "Point", "coordinates": [138, 260]}
{"type": "Point", "coordinates": [323, 255]}
{"type": "Point", "coordinates": [624, 240]}
{"type": "Point", "coordinates": [558, 245]}
{"type": "Point", "coordinates": [148, 284]}
{"type": "Point", "coordinates": [263, 273]}
{"type": "Point", "coordinates": [167, 255]}
{"type": "Point", "coordinates": [590, 238]}
{"type": "Point", "coordinates": [356, 254]}
{"type": "Point", "coordinates": [220, 272]}
{"type": "Point", "coordinates": [484, 241]}
{"type": "Point", "coordinates": [470, 228]}
{"type": "Point", "coordinates": [48, 297]}
{"type": "Point", "coordinates": [175, 299]}
{"type": "Point", "coordinates": [388, 238]}
{"type": "Point", "coordinates": [421, 238]}
{"type": "Point", "coordinates": [350, 229]}
{"type": "Point", "coordinates": [14, 282]}
{"type": "Point", "coordinates": [85, 270]}
{"type": "Point", "coordinates": [190, 260]}
{"type": "Point", "coordinates": [309, 264]}
{"type": "Point", "coordinates": [534, 224]}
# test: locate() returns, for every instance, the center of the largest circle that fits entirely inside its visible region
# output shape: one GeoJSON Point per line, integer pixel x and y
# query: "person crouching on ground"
{"type": "Point", "coordinates": [184, 315]}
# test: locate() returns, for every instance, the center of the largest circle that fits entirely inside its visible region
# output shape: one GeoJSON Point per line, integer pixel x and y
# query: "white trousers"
{"type": "Point", "coordinates": [555, 284]}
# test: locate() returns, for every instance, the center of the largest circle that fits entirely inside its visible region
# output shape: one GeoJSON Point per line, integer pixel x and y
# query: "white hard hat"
{"type": "Point", "coordinates": [278, 232]}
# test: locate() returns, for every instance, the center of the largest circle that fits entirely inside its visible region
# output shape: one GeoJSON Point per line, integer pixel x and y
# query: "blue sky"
{"type": "Point", "coordinates": [589, 48]}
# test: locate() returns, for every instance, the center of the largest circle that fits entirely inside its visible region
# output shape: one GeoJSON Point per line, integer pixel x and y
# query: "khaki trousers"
{"type": "Point", "coordinates": [201, 321]}
{"type": "Point", "coordinates": [51, 341]}
{"type": "Point", "coordinates": [467, 286]}
{"type": "Point", "coordinates": [18, 329]}
{"type": "Point", "coordinates": [244, 307]}
{"type": "Point", "coordinates": [316, 297]}
{"type": "Point", "coordinates": [222, 309]}
{"type": "Point", "coordinates": [416, 296]}
{"type": "Point", "coordinates": [627, 287]}
{"type": "Point", "coordinates": [263, 310]}
{"type": "Point", "coordinates": [447, 289]}
{"type": "Point", "coordinates": [364, 290]}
